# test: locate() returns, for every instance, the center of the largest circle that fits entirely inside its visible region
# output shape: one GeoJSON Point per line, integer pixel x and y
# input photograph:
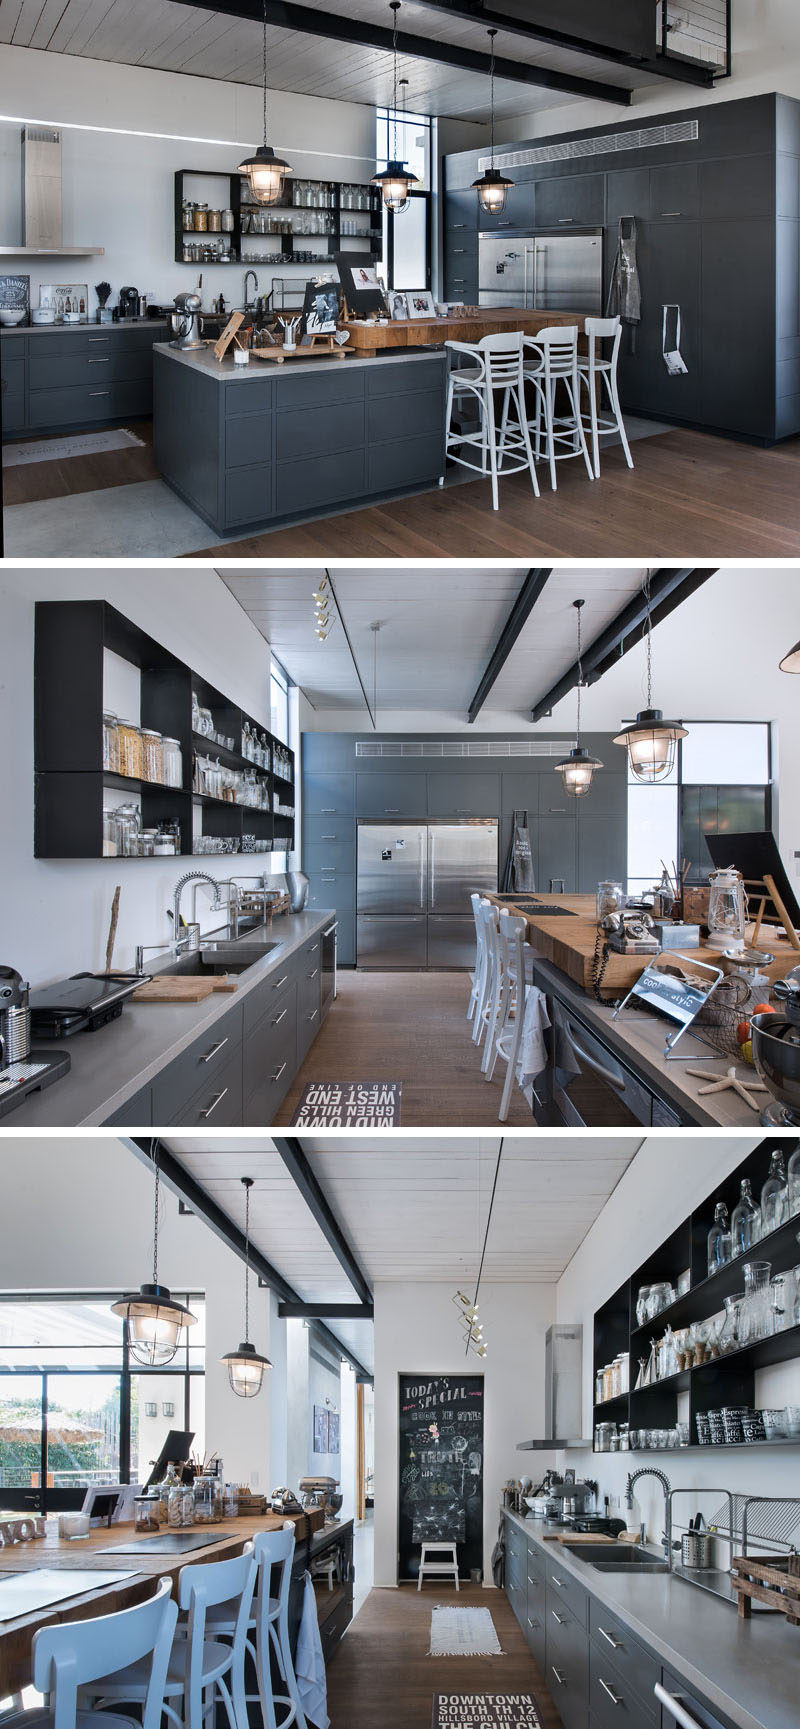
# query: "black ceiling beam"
{"type": "Point", "coordinates": [307, 21]}
{"type": "Point", "coordinates": [657, 64]}
{"type": "Point", "coordinates": [326, 1311]}
{"type": "Point", "coordinates": [201, 1204]}
{"type": "Point", "coordinates": [520, 613]}
{"type": "Point", "coordinates": [291, 1151]}
{"type": "Point", "coordinates": [668, 589]}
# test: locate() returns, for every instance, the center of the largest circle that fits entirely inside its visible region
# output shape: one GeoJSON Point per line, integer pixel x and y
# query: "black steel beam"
{"type": "Point", "coordinates": [223, 1227]}
{"type": "Point", "coordinates": [357, 669]}
{"type": "Point", "coordinates": [520, 613]}
{"type": "Point", "coordinates": [514, 24]}
{"type": "Point", "coordinates": [307, 21]}
{"type": "Point", "coordinates": [303, 1177]}
{"type": "Point", "coordinates": [668, 589]}
{"type": "Point", "coordinates": [326, 1311]}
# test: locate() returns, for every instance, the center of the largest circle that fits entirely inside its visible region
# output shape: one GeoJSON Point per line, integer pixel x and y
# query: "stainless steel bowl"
{"type": "Point", "coordinates": [776, 1054]}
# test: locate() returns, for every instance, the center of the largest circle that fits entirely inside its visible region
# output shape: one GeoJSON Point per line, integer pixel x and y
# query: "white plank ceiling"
{"type": "Point", "coordinates": [415, 1209]}
{"type": "Point", "coordinates": [437, 632]}
{"type": "Point", "coordinates": [199, 42]}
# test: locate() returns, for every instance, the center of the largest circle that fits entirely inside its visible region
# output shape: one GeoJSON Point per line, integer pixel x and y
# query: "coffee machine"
{"type": "Point", "coordinates": [185, 322]}
{"type": "Point", "coordinates": [129, 303]}
{"type": "Point", "coordinates": [23, 1069]}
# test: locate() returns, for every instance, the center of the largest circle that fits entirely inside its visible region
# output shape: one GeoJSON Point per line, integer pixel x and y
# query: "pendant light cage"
{"type": "Point", "coordinates": [791, 661]}
{"type": "Point", "coordinates": [577, 769]}
{"type": "Point", "coordinates": [246, 1365]}
{"type": "Point", "coordinates": [492, 186]}
{"type": "Point", "coordinates": [651, 740]}
{"type": "Point", "coordinates": [155, 1319]}
{"type": "Point", "coordinates": [396, 178]}
{"type": "Point", "coordinates": [265, 171]}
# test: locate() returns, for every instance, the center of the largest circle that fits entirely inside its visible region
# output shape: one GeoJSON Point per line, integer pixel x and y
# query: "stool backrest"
{"type": "Point", "coordinates": [201, 1587]}
{"type": "Point", "coordinates": [558, 346]}
{"type": "Point", "coordinates": [503, 356]}
{"type": "Point", "coordinates": [274, 1552]}
{"type": "Point", "coordinates": [75, 1653]}
{"type": "Point", "coordinates": [512, 952]}
{"type": "Point", "coordinates": [603, 330]}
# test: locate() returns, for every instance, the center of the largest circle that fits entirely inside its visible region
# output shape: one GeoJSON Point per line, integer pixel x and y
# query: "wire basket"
{"type": "Point", "coordinates": [733, 1001]}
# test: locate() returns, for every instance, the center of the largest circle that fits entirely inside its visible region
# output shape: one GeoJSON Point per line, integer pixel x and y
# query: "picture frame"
{"type": "Point", "coordinates": [361, 285]}
{"type": "Point", "coordinates": [420, 303]}
{"type": "Point", "coordinates": [398, 307]}
{"type": "Point", "coordinates": [334, 1441]}
{"type": "Point", "coordinates": [321, 307]}
{"type": "Point", "coordinates": [320, 1441]}
{"type": "Point", "coordinates": [15, 294]}
{"type": "Point", "coordinates": [66, 297]}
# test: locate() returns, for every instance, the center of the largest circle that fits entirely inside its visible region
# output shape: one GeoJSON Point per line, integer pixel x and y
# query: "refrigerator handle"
{"type": "Point", "coordinates": [431, 868]}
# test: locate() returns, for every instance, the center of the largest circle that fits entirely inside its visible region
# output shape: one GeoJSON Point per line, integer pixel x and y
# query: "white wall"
{"type": "Point", "coordinates": [668, 1177]}
{"type": "Point", "coordinates": [51, 1240]}
{"type": "Point", "coordinates": [118, 189]}
{"type": "Point", "coordinates": [766, 57]}
{"type": "Point", "coordinates": [417, 1332]}
{"type": "Point", "coordinates": [54, 913]}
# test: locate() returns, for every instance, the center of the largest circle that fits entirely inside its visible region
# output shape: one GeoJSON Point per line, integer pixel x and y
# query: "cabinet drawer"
{"type": "Point", "coordinates": [308, 979]}
{"type": "Point", "coordinates": [306, 483]}
{"type": "Point", "coordinates": [137, 1112]}
{"type": "Point", "coordinates": [332, 830]}
{"type": "Point", "coordinates": [323, 387]}
{"type": "Point", "coordinates": [218, 1101]}
{"type": "Point", "coordinates": [328, 795]}
{"type": "Point", "coordinates": [383, 795]}
{"type": "Point", "coordinates": [407, 462]}
{"type": "Point", "coordinates": [461, 211]}
{"type": "Point", "coordinates": [59, 371]}
{"type": "Point", "coordinates": [13, 412]}
{"type": "Point", "coordinates": [568, 1672]}
{"type": "Point", "coordinates": [336, 426]}
{"type": "Point", "coordinates": [517, 213]}
{"type": "Point", "coordinates": [270, 1061]}
{"type": "Point", "coordinates": [463, 794]}
{"type": "Point", "coordinates": [269, 996]}
{"type": "Point", "coordinates": [253, 396]}
{"type": "Point", "coordinates": [329, 855]}
{"type": "Point", "coordinates": [13, 372]}
{"type": "Point", "coordinates": [197, 1067]}
{"type": "Point", "coordinates": [248, 440]}
{"type": "Point", "coordinates": [409, 416]}
{"type": "Point", "coordinates": [11, 348]}
{"type": "Point", "coordinates": [612, 1697]}
{"type": "Point", "coordinates": [401, 378]}
{"type": "Point", "coordinates": [563, 1590]}
{"type": "Point", "coordinates": [88, 402]}
{"type": "Point", "coordinates": [248, 494]}
{"type": "Point", "coordinates": [614, 1647]}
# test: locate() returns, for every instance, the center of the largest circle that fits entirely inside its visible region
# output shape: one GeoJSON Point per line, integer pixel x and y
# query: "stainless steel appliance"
{"type": "Point", "coordinates": [82, 1003]}
{"type": "Point", "coordinates": [590, 1086]}
{"type": "Point", "coordinates": [546, 272]}
{"type": "Point", "coordinates": [185, 322]}
{"type": "Point", "coordinates": [328, 976]}
{"type": "Point", "coordinates": [413, 891]}
{"type": "Point", "coordinates": [15, 1017]}
{"type": "Point", "coordinates": [129, 303]}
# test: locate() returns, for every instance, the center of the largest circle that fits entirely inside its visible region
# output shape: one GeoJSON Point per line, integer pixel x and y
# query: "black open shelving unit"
{"type": "Point", "coordinates": [70, 781]}
{"type": "Point", "coordinates": [726, 1380]}
{"type": "Point", "coordinates": [236, 200]}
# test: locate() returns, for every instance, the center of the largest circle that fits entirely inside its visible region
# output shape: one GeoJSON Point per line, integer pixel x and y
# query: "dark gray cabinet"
{"type": "Point", "coordinates": [558, 853]}
{"type": "Point", "coordinates": [619, 1664]}
{"type": "Point", "coordinates": [190, 1082]}
{"type": "Point", "coordinates": [473, 794]}
{"type": "Point", "coordinates": [78, 376]}
{"type": "Point", "coordinates": [675, 191]}
{"type": "Point", "coordinates": [391, 795]}
{"type": "Point", "coordinates": [570, 201]}
{"type": "Point", "coordinates": [309, 983]}
{"type": "Point", "coordinates": [736, 386]}
{"type": "Point", "coordinates": [138, 1112]}
{"type": "Point", "coordinates": [518, 211]}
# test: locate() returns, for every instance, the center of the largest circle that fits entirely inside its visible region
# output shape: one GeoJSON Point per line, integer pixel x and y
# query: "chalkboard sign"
{"type": "Point", "coordinates": [440, 1468]}
{"type": "Point", "coordinates": [15, 293]}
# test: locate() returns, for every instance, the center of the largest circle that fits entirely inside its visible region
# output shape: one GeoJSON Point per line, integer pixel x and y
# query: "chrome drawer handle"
{"type": "Point", "coordinates": [558, 1582]}
{"type": "Point", "coordinates": [328, 810]}
{"type": "Point", "coordinates": [280, 1017]}
{"type": "Point", "coordinates": [675, 1707]}
{"type": "Point", "coordinates": [391, 810]}
{"type": "Point", "coordinates": [279, 1072]}
{"type": "Point", "coordinates": [329, 837]}
{"type": "Point", "coordinates": [214, 1102]}
{"type": "Point", "coordinates": [563, 219]}
{"type": "Point", "coordinates": [99, 392]}
{"type": "Point", "coordinates": [276, 987]}
{"type": "Point", "coordinates": [616, 1698]}
{"type": "Point", "coordinates": [559, 1677]}
{"type": "Point", "coordinates": [98, 339]}
{"type": "Point", "coordinates": [670, 212]}
{"type": "Point", "coordinates": [616, 1644]}
{"type": "Point", "coordinates": [532, 1623]}
{"type": "Point", "coordinates": [213, 1051]}
{"type": "Point", "coordinates": [561, 1619]}
{"type": "Point", "coordinates": [102, 360]}
{"type": "Point", "coordinates": [313, 1015]}
{"type": "Point", "coordinates": [312, 975]}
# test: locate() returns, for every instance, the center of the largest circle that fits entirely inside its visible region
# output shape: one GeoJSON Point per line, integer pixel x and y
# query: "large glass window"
{"type": "Point", "coordinates": [74, 1409]}
{"type": "Point", "coordinates": [721, 780]}
{"type": "Point", "coordinates": [406, 238]}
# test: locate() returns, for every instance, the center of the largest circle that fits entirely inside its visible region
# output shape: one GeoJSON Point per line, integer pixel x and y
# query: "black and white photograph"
{"type": "Point", "coordinates": [398, 306]}
{"type": "Point", "coordinates": [321, 308]}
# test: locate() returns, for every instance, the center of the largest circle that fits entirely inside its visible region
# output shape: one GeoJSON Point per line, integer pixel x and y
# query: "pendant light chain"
{"type": "Point", "coordinates": [395, 10]}
{"type": "Point", "coordinates": [646, 587]}
{"type": "Point", "coordinates": [264, 69]}
{"type": "Point", "coordinates": [580, 673]}
{"type": "Point", "coordinates": [247, 1262]}
{"type": "Point", "coordinates": [156, 1203]}
{"type": "Point", "coordinates": [492, 34]}
{"type": "Point", "coordinates": [486, 1234]}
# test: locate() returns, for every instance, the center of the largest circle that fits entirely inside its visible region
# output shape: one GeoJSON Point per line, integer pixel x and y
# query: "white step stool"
{"type": "Point", "coordinates": [437, 1569]}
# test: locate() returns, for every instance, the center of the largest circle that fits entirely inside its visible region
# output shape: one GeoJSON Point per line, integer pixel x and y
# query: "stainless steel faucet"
{"type": "Point", "coordinates": [190, 940]}
{"type": "Point", "coordinates": [663, 1479]}
{"type": "Point", "coordinates": [247, 275]}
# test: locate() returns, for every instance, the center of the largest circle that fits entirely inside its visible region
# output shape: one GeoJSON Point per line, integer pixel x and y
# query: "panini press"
{"type": "Point", "coordinates": [81, 1004]}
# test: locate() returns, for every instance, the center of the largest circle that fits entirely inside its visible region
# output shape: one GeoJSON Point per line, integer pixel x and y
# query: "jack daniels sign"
{"type": "Point", "coordinates": [485, 1711]}
{"type": "Point", "coordinates": [440, 1468]}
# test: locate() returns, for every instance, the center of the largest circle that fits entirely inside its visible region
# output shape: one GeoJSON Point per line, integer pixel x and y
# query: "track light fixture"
{"type": "Point", "coordinates": [155, 1318]}
{"type": "Point", "coordinates": [651, 740]}
{"type": "Point", "coordinates": [245, 1365]}
{"type": "Point", "coordinates": [577, 769]}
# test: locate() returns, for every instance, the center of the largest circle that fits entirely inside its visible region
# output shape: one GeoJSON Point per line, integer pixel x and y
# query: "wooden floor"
{"type": "Point", "coordinates": [382, 1677]}
{"type": "Point", "coordinates": [690, 495]}
{"type": "Point", "coordinates": [30, 482]}
{"type": "Point", "coordinates": [409, 1027]}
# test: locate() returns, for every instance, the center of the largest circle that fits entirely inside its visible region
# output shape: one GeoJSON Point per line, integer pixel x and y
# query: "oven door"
{"type": "Point", "coordinates": [591, 1088]}
{"type": "Point", "coordinates": [328, 980]}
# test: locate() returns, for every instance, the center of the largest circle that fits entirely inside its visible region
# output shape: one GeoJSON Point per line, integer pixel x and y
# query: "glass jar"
{"type": "Point", "coordinates": [745, 1221]}
{"type": "Point", "coordinates": [110, 744]}
{"type": "Point", "coordinates": [775, 1195]}
{"type": "Point", "coordinates": [128, 821]}
{"type": "Point", "coordinates": [756, 1315]}
{"type": "Point", "coordinates": [187, 1504]}
{"type": "Point", "coordinates": [611, 896]}
{"type": "Point", "coordinates": [719, 1240]}
{"type": "Point", "coordinates": [145, 1513]}
{"type": "Point", "coordinates": [207, 1500]}
{"type": "Point", "coordinates": [168, 840]}
{"type": "Point", "coordinates": [152, 756]}
{"type": "Point", "coordinates": [231, 1501]}
{"type": "Point", "coordinates": [130, 749]}
{"type": "Point", "coordinates": [173, 762]}
{"type": "Point", "coordinates": [781, 1295]}
{"type": "Point", "coordinates": [605, 1431]}
{"type": "Point", "coordinates": [608, 1381]}
{"type": "Point", "coordinates": [147, 843]}
{"type": "Point", "coordinates": [729, 1336]}
{"type": "Point", "coordinates": [110, 834]}
{"type": "Point", "coordinates": [794, 1183]}
{"type": "Point", "coordinates": [175, 1506]}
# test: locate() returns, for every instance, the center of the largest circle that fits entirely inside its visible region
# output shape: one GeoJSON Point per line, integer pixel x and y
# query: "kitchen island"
{"type": "Point", "coordinates": [251, 447]}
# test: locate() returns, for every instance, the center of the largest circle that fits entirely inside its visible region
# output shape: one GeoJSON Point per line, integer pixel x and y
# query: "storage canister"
{"type": "Point", "coordinates": [110, 743]}
{"type": "Point", "coordinates": [152, 756]}
{"type": "Point", "coordinates": [130, 749]}
{"type": "Point", "coordinates": [173, 761]}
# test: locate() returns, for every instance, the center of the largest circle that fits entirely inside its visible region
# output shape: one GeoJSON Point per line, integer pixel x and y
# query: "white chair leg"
{"type": "Point", "coordinates": [492, 437]}
{"type": "Point", "coordinates": [591, 382]}
{"type": "Point", "coordinates": [549, 409]}
{"type": "Point", "coordinates": [580, 436]}
{"type": "Point", "coordinates": [526, 436]}
{"type": "Point", "coordinates": [614, 394]}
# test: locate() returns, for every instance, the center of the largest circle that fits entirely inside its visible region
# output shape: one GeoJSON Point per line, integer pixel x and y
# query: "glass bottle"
{"type": "Point", "coordinates": [794, 1183]}
{"type": "Point", "coordinates": [729, 1337]}
{"type": "Point", "coordinates": [745, 1222]}
{"type": "Point", "coordinates": [719, 1239]}
{"type": "Point", "coordinates": [775, 1195]}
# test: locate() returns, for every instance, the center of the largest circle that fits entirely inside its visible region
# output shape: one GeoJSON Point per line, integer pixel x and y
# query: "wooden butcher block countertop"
{"type": "Point", "coordinates": [432, 332]}
{"type": "Point", "coordinates": [569, 944]}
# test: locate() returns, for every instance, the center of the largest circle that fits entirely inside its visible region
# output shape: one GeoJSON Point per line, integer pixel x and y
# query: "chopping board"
{"type": "Point", "coordinates": [177, 990]}
{"type": "Point", "coordinates": [568, 1537]}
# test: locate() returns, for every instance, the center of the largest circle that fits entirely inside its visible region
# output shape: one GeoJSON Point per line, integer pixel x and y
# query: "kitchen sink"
{"type": "Point", "coordinates": [618, 1558]}
{"type": "Point", "coordinates": [209, 964]}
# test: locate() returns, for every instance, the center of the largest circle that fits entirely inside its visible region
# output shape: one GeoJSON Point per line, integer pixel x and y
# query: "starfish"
{"type": "Point", "coordinates": [729, 1082]}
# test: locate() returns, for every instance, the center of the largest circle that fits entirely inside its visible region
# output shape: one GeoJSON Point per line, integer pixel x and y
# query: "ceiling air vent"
{"type": "Point", "coordinates": [602, 144]}
{"type": "Point", "coordinates": [451, 747]}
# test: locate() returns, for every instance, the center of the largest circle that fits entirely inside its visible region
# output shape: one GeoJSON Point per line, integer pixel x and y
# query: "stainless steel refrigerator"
{"type": "Point", "coordinates": [413, 892]}
{"type": "Point", "coordinates": [545, 272]}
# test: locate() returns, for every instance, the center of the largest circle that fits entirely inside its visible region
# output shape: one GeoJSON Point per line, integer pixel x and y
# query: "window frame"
{"type": "Point", "coordinates": [386, 116]}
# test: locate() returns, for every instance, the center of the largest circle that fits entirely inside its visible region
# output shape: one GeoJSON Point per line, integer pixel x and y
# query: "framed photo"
{"type": "Point", "coordinates": [320, 1429]}
{"type": "Point", "coordinates": [66, 299]}
{"type": "Point", "coordinates": [360, 282]}
{"type": "Point", "coordinates": [321, 308]}
{"type": "Point", "coordinates": [420, 303]}
{"type": "Point", "coordinates": [334, 1445]}
{"type": "Point", "coordinates": [397, 304]}
{"type": "Point", "coordinates": [15, 295]}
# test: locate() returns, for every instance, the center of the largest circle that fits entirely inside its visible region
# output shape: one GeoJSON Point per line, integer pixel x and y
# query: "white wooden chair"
{"type": "Point", "coordinates": [498, 366]}
{"type": "Point", "coordinates": [508, 1033]}
{"type": "Point", "coordinates": [480, 956]}
{"type": "Point", "coordinates": [598, 371]}
{"type": "Point", "coordinates": [445, 1568]}
{"type": "Point", "coordinates": [489, 914]}
{"type": "Point", "coordinates": [70, 1656]}
{"type": "Point", "coordinates": [552, 360]}
{"type": "Point", "coordinates": [268, 1628]}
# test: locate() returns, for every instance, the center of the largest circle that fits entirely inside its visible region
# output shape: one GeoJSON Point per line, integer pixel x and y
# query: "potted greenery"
{"type": "Point", "coordinates": [102, 290]}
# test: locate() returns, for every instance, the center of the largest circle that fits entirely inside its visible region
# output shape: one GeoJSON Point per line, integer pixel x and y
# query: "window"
{"type": "Point", "coordinates": [721, 780]}
{"type": "Point", "coordinates": [74, 1410]}
{"type": "Point", "coordinates": [279, 702]}
{"type": "Point", "coordinates": [406, 250]}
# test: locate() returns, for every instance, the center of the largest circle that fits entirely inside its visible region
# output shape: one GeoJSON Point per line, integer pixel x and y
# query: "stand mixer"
{"type": "Point", "coordinates": [776, 1054]}
{"type": "Point", "coordinates": [186, 322]}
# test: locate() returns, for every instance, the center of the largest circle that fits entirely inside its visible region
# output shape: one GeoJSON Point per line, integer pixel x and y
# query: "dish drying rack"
{"type": "Point", "coordinates": [769, 1522]}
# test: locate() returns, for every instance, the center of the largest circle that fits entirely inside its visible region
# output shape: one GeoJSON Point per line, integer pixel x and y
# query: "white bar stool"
{"type": "Point", "coordinates": [595, 369]}
{"type": "Point", "coordinates": [508, 1034]}
{"type": "Point", "coordinates": [269, 1622]}
{"type": "Point", "coordinates": [553, 361]}
{"type": "Point", "coordinates": [447, 1567]}
{"type": "Point", "coordinates": [70, 1657]}
{"type": "Point", "coordinates": [480, 956]}
{"type": "Point", "coordinates": [489, 915]}
{"type": "Point", "coordinates": [499, 366]}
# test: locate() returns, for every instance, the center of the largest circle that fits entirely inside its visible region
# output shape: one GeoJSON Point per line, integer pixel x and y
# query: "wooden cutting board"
{"type": "Point", "coordinates": [568, 1537]}
{"type": "Point", "coordinates": [178, 990]}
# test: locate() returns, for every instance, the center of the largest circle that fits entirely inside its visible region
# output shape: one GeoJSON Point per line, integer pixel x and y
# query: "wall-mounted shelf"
{"type": "Point", "coordinates": [368, 240]}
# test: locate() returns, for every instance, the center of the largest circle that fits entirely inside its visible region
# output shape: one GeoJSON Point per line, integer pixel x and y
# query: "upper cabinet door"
{"type": "Point", "coordinates": [675, 191]}
{"type": "Point", "coordinates": [518, 211]}
{"type": "Point", "coordinates": [463, 794]}
{"type": "Point", "coordinates": [570, 201]}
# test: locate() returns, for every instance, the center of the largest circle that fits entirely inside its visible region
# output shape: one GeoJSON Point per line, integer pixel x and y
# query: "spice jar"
{"type": "Point", "coordinates": [145, 1513]}
{"type": "Point", "coordinates": [172, 756]}
{"type": "Point", "coordinates": [147, 843]}
{"type": "Point", "coordinates": [175, 1506]}
{"type": "Point", "coordinates": [152, 756]}
{"type": "Point", "coordinates": [110, 744]}
{"type": "Point", "coordinates": [130, 749]}
{"type": "Point", "coordinates": [110, 834]}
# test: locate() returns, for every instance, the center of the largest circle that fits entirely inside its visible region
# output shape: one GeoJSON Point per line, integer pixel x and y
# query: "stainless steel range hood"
{"type": "Point", "coordinates": [563, 1392]}
{"type": "Point", "coordinates": [42, 231]}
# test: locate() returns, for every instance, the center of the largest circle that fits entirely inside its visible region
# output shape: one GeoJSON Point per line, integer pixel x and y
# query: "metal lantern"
{"type": "Point", "coordinates": [577, 769]}
{"type": "Point", "coordinates": [650, 741]}
{"type": "Point", "coordinates": [492, 186]}
{"type": "Point", "coordinates": [396, 178]}
{"type": "Point", "coordinates": [246, 1365]}
{"type": "Point", "coordinates": [155, 1318]}
{"type": "Point", "coordinates": [727, 909]}
{"type": "Point", "coordinates": [265, 171]}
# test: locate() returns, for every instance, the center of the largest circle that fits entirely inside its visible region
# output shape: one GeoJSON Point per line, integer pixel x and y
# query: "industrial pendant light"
{"type": "Point", "coordinates": [791, 661]}
{"type": "Point", "coordinates": [577, 769]}
{"type": "Point", "coordinates": [396, 178]}
{"type": "Point", "coordinates": [155, 1319]}
{"type": "Point", "coordinates": [245, 1365]}
{"type": "Point", "coordinates": [492, 185]}
{"type": "Point", "coordinates": [651, 741]}
{"type": "Point", "coordinates": [265, 171]}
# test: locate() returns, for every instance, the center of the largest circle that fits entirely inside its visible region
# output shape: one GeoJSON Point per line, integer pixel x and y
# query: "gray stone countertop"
{"type": "Point", "coordinates": [225, 371]}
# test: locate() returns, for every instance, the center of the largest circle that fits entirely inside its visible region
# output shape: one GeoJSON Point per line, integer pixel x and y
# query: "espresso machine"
{"type": "Point", "coordinates": [776, 1054]}
{"type": "Point", "coordinates": [23, 1068]}
{"type": "Point", "coordinates": [128, 303]}
{"type": "Point", "coordinates": [185, 322]}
